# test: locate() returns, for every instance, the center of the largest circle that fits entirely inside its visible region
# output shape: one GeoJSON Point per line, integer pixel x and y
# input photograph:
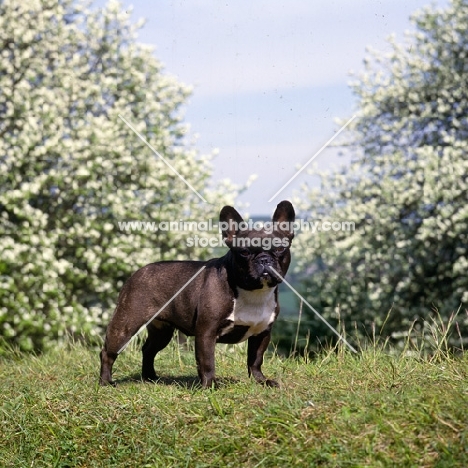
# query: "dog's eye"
{"type": "Point", "coordinates": [280, 250]}
{"type": "Point", "coordinates": [244, 252]}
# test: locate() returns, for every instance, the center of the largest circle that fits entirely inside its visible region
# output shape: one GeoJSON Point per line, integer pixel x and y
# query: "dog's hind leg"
{"type": "Point", "coordinates": [107, 361]}
{"type": "Point", "coordinates": [120, 331]}
{"type": "Point", "coordinates": [159, 336]}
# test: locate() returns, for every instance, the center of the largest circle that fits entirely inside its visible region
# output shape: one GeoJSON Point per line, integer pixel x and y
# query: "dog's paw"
{"type": "Point", "coordinates": [149, 378]}
{"type": "Point", "coordinates": [107, 383]}
{"type": "Point", "coordinates": [210, 384]}
{"type": "Point", "coordinates": [271, 383]}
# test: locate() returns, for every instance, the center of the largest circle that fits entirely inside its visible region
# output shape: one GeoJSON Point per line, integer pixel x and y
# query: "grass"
{"type": "Point", "coordinates": [339, 410]}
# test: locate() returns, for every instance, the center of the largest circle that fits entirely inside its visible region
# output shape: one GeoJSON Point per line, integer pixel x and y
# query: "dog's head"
{"type": "Point", "coordinates": [258, 256]}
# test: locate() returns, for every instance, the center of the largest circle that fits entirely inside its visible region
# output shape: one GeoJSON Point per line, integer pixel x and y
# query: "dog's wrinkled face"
{"type": "Point", "coordinates": [256, 254]}
{"type": "Point", "coordinates": [256, 266]}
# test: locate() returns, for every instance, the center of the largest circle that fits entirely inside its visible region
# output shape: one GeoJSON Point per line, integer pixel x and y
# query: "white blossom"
{"type": "Point", "coordinates": [407, 189]}
{"type": "Point", "coordinates": [70, 168]}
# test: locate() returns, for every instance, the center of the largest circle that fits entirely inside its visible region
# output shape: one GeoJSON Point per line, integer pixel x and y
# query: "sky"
{"type": "Point", "coordinates": [270, 79]}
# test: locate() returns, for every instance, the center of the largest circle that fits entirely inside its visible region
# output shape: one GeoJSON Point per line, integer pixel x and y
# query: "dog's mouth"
{"type": "Point", "coordinates": [269, 282]}
{"type": "Point", "coordinates": [270, 276]}
{"type": "Point", "coordinates": [262, 277]}
{"type": "Point", "coordinates": [264, 271]}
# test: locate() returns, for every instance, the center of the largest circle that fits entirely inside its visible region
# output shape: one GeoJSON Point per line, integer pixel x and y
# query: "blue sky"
{"type": "Point", "coordinates": [270, 78]}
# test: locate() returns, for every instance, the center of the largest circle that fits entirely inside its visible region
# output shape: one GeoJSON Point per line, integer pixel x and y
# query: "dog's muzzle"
{"type": "Point", "coordinates": [262, 264]}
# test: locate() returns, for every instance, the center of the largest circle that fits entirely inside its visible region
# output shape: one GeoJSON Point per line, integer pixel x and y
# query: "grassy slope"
{"type": "Point", "coordinates": [338, 410]}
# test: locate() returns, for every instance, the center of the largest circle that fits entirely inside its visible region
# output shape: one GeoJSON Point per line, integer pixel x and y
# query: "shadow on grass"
{"type": "Point", "coordinates": [183, 381]}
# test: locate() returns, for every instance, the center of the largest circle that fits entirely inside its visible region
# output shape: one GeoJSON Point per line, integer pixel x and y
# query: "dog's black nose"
{"type": "Point", "coordinates": [262, 263]}
{"type": "Point", "coordinates": [263, 260]}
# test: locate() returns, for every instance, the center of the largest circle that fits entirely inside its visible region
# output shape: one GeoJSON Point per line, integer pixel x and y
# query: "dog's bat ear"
{"type": "Point", "coordinates": [284, 217]}
{"type": "Point", "coordinates": [229, 222]}
{"type": "Point", "coordinates": [284, 212]}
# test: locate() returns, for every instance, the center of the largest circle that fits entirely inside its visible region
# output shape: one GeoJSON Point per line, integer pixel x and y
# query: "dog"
{"type": "Point", "coordinates": [223, 300]}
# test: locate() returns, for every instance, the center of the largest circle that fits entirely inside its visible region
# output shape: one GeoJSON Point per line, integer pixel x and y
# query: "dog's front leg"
{"type": "Point", "coordinates": [205, 355]}
{"type": "Point", "coordinates": [257, 345]}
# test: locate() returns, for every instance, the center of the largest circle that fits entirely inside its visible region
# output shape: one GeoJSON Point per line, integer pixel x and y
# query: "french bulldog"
{"type": "Point", "coordinates": [223, 300]}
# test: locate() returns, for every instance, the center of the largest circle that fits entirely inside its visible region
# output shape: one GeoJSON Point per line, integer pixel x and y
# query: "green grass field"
{"type": "Point", "coordinates": [339, 410]}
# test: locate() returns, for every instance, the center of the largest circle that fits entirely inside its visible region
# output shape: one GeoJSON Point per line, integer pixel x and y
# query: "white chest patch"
{"type": "Point", "coordinates": [254, 309]}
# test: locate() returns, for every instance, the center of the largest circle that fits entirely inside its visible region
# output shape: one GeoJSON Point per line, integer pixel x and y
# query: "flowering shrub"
{"type": "Point", "coordinates": [70, 168]}
{"type": "Point", "coordinates": [406, 190]}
